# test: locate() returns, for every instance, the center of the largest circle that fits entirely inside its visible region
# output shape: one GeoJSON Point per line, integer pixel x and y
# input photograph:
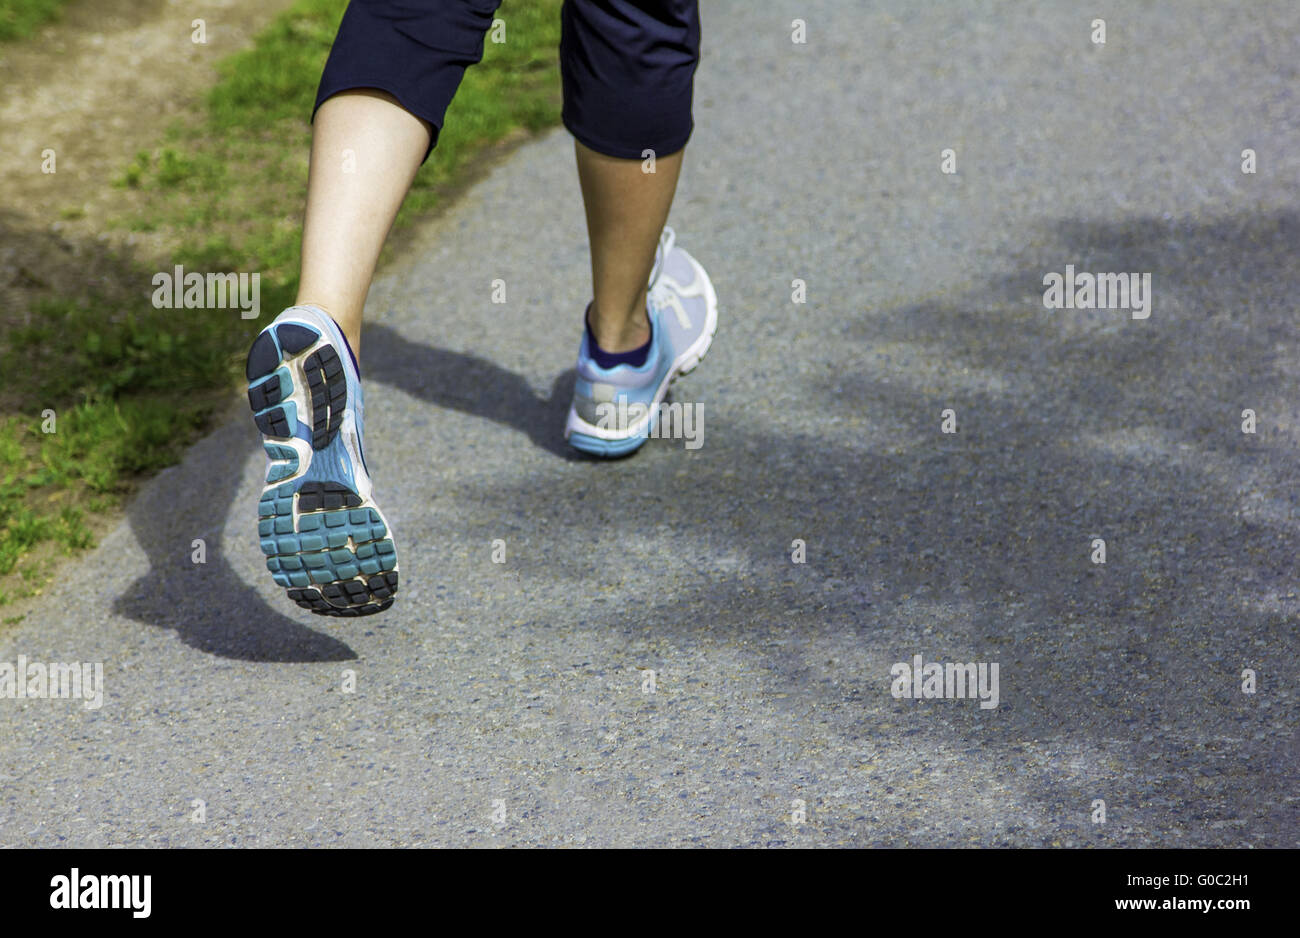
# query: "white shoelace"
{"type": "Point", "coordinates": [666, 241]}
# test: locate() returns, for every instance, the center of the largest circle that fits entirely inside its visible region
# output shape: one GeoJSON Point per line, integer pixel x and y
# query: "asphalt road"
{"type": "Point", "coordinates": [509, 703]}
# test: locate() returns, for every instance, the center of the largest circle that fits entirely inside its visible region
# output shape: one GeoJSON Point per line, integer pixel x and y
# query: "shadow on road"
{"type": "Point", "coordinates": [1073, 425]}
{"type": "Point", "coordinates": [473, 386]}
{"type": "Point", "coordinates": [209, 605]}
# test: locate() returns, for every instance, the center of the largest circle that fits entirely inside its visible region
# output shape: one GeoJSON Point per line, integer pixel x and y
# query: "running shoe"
{"type": "Point", "coordinates": [616, 410]}
{"type": "Point", "coordinates": [324, 538]}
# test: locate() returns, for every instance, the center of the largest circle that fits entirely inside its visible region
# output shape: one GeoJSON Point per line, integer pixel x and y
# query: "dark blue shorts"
{"type": "Point", "coordinates": [627, 65]}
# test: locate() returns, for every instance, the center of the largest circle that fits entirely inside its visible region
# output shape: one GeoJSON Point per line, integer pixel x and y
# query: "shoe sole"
{"type": "Point", "coordinates": [331, 549]}
{"type": "Point", "coordinates": [688, 362]}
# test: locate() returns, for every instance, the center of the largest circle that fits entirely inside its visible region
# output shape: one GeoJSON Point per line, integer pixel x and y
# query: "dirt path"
{"type": "Point", "coordinates": [95, 88]}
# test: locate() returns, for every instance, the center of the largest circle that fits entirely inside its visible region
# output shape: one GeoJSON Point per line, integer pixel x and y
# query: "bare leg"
{"type": "Point", "coordinates": [365, 150]}
{"type": "Point", "coordinates": [626, 211]}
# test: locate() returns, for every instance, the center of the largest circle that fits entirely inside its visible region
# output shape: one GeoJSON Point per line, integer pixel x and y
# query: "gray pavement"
{"type": "Point", "coordinates": [504, 704]}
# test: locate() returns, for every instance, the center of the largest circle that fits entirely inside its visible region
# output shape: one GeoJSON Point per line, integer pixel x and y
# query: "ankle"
{"type": "Point", "coordinates": [354, 345]}
{"type": "Point", "coordinates": [617, 334]}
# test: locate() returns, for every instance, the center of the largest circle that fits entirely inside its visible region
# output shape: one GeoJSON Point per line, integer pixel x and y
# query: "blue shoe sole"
{"type": "Point", "coordinates": [327, 546]}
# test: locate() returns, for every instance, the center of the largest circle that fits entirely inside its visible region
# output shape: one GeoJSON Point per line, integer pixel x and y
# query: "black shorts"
{"type": "Point", "coordinates": [627, 65]}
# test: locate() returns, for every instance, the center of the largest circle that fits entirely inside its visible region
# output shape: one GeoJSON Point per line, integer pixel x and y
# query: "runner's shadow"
{"type": "Point", "coordinates": [215, 609]}
{"type": "Point", "coordinates": [210, 606]}
{"type": "Point", "coordinates": [473, 386]}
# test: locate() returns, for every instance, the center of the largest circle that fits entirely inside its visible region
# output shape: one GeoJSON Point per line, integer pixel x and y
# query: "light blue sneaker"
{"type": "Point", "coordinates": [325, 540]}
{"type": "Point", "coordinates": [616, 410]}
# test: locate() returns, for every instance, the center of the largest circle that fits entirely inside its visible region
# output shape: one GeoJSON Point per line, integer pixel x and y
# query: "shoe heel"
{"type": "Point", "coordinates": [282, 354]}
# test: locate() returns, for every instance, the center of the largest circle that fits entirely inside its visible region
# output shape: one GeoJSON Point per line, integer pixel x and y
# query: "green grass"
{"type": "Point", "coordinates": [20, 18]}
{"type": "Point", "coordinates": [253, 147]}
{"type": "Point", "coordinates": [132, 385]}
